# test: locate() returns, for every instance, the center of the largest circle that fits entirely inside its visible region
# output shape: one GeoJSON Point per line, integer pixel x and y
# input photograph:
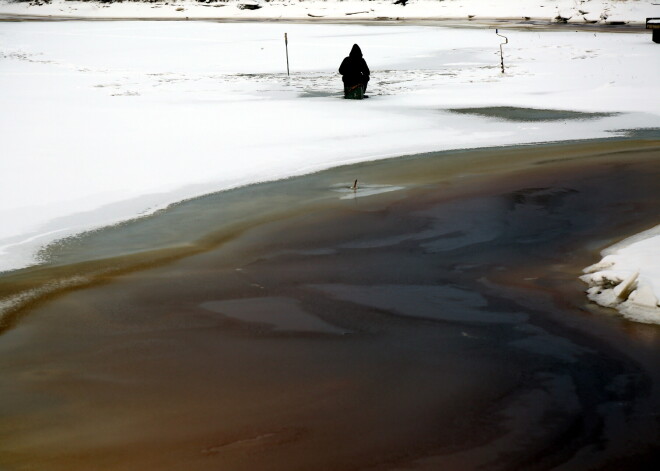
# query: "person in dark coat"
{"type": "Point", "coordinates": [354, 70]}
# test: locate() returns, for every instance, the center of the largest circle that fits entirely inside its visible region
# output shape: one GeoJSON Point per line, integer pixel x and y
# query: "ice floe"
{"type": "Point", "coordinates": [628, 277]}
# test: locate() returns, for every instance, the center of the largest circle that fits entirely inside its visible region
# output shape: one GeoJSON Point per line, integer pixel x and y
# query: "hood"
{"type": "Point", "coordinates": [356, 52]}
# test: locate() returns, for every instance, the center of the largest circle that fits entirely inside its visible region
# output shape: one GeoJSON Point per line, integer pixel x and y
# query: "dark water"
{"type": "Point", "coordinates": [438, 326]}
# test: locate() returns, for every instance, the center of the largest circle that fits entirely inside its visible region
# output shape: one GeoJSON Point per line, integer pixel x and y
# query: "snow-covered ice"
{"type": "Point", "coordinates": [628, 277]}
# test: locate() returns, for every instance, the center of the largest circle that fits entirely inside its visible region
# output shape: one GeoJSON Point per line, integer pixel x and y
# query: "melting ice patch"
{"type": "Point", "coordinates": [359, 190]}
{"type": "Point", "coordinates": [441, 303]}
{"type": "Point", "coordinates": [279, 313]}
{"type": "Point", "coordinates": [510, 113]}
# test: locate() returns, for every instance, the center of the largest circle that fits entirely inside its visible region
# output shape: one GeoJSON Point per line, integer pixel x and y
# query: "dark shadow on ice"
{"type": "Point", "coordinates": [511, 113]}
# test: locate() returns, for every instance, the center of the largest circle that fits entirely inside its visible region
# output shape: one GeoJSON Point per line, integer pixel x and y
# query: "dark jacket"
{"type": "Point", "coordinates": [354, 68]}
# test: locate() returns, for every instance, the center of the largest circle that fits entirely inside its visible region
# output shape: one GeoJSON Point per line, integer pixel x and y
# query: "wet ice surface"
{"type": "Point", "coordinates": [441, 303]}
{"type": "Point", "coordinates": [363, 190]}
{"type": "Point", "coordinates": [524, 236]}
{"type": "Point", "coordinates": [157, 112]}
{"type": "Point", "coordinates": [463, 224]}
{"type": "Point", "coordinates": [283, 314]}
{"type": "Point", "coordinates": [540, 342]}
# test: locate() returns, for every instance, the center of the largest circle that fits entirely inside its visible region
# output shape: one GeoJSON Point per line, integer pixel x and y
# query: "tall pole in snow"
{"type": "Point", "coordinates": [286, 46]}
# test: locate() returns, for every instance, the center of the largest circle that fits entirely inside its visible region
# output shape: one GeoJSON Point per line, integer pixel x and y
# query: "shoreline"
{"type": "Point", "coordinates": [507, 23]}
{"type": "Point", "coordinates": [597, 12]}
{"type": "Point", "coordinates": [281, 346]}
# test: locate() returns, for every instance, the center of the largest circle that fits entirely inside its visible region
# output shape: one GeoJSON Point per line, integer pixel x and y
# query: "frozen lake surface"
{"type": "Point", "coordinates": [103, 122]}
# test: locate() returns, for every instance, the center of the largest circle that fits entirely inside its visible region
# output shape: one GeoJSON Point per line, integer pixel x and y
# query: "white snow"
{"type": "Point", "coordinates": [628, 277]}
{"type": "Point", "coordinates": [572, 11]}
{"type": "Point", "coordinates": [101, 122]}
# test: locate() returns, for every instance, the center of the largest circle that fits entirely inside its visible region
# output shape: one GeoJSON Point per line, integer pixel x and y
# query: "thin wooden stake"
{"type": "Point", "coordinates": [286, 46]}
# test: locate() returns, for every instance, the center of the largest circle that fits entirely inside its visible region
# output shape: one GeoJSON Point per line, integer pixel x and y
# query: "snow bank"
{"type": "Point", "coordinates": [571, 11]}
{"type": "Point", "coordinates": [101, 122]}
{"type": "Point", "coordinates": [628, 277]}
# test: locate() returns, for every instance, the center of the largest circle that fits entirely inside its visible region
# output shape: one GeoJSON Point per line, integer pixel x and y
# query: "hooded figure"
{"type": "Point", "coordinates": [354, 70]}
